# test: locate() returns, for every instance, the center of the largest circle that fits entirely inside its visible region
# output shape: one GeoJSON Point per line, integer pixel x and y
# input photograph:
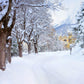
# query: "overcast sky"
{"type": "Point", "coordinates": [71, 7]}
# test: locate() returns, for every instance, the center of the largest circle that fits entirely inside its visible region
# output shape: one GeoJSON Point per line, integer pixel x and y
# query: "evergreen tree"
{"type": "Point", "coordinates": [79, 27]}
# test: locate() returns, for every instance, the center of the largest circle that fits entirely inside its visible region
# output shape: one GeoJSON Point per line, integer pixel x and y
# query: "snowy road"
{"type": "Point", "coordinates": [45, 68]}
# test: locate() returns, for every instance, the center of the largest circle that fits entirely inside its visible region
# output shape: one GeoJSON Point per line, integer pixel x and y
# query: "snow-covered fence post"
{"type": "Point", "coordinates": [70, 49]}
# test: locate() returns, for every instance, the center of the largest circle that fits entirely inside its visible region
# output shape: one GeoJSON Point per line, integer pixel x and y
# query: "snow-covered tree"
{"type": "Point", "coordinates": [5, 30]}
{"type": "Point", "coordinates": [39, 20]}
{"type": "Point", "coordinates": [32, 22]}
{"type": "Point", "coordinates": [79, 27]}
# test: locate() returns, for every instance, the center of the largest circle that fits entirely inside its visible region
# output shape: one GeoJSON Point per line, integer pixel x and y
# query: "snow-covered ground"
{"type": "Point", "coordinates": [46, 68]}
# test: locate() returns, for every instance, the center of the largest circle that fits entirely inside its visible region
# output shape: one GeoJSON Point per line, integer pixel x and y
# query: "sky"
{"type": "Point", "coordinates": [70, 9]}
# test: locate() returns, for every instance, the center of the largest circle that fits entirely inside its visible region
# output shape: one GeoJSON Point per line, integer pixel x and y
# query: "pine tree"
{"type": "Point", "coordinates": [79, 27]}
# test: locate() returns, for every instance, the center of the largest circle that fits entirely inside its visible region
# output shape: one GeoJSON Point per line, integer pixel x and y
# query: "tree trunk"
{"type": "Point", "coordinates": [8, 51]}
{"type": "Point", "coordinates": [2, 50]}
{"type": "Point", "coordinates": [20, 49]}
{"type": "Point", "coordinates": [29, 48]}
{"type": "Point", "coordinates": [35, 48]}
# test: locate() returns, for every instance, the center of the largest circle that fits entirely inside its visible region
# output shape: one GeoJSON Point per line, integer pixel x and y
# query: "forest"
{"type": "Point", "coordinates": [41, 38]}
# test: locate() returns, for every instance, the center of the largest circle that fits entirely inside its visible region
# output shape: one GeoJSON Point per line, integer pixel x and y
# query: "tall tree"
{"type": "Point", "coordinates": [5, 31]}
{"type": "Point", "coordinates": [79, 27]}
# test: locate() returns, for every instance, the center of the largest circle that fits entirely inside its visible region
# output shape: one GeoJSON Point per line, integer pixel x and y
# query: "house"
{"type": "Point", "coordinates": [67, 40]}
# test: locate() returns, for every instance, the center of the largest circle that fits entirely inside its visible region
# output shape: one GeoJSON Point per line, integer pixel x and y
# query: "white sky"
{"type": "Point", "coordinates": [71, 7]}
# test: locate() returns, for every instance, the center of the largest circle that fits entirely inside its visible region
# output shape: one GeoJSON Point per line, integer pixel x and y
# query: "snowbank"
{"type": "Point", "coordinates": [45, 68]}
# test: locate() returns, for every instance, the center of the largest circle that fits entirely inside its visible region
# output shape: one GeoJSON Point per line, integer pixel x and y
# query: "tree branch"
{"type": "Point", "coordinates": [13, 21]}
{"type": "Point", "coordinates": [8, 11]}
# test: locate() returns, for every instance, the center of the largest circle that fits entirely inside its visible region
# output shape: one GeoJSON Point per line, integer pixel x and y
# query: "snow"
{"type": "Point", "coordinates": [4, 10]}
{"type": "Point", "coordinates": [9, 37]}
{"type": "Point", "coordinates": [7, 45]}
{"type": "Point", "coordinates": [46, 68]}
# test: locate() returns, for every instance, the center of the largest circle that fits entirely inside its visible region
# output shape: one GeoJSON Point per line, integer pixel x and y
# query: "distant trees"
{"type": "Point", "coordinates": [32, 22]}
{"type": "Point", "coordinates": [39, 20]}
{"type": "Point", "coordinates": [48, 41]}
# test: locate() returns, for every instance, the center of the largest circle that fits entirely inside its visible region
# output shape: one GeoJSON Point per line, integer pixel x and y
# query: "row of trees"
{"type": "Point", "coordinates": [30, 24]}
{"type": "Point", "coordinates": [23, 20]}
